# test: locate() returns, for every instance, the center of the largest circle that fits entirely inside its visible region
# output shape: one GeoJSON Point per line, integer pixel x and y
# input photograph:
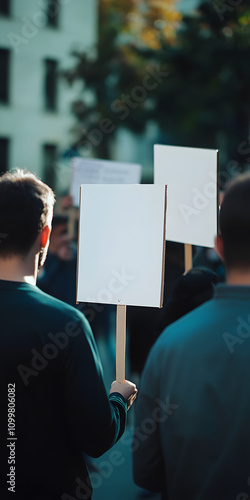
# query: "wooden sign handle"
{"type": "Point", "coordinates": [120, 343]}
{"type": "Point", "coordinates": [188, 257]}
{"type": "Point", "coordinates": [72, 220]}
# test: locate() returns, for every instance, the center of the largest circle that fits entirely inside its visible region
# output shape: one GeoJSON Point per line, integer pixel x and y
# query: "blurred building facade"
{"type": "Point", "coordinates": [36, 40]}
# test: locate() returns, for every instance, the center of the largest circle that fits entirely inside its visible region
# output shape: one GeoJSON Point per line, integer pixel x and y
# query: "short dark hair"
{"type": "Point", "coordinates": [235, 223]}
{"type": "Point", "coordinates": [25, 204]}
{"type": "Point", "coordinates": [189, 291]}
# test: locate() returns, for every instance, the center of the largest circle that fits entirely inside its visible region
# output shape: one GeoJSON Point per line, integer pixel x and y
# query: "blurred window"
{"type": "Point", "coordinates": [53, 13]}
{"type": "Point", "coordinates": [5, 7]}
{"type": "Point", "coordinates": [49, 159]}
{"type": "Point", "coordinates": [4, 75]}
{"type": "Point", "coordinates": [4, 154]}
{"type": "Point", "coordinates": [50, 84]}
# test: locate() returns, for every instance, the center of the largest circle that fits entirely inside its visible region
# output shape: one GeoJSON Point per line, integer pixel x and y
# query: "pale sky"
{"type": "Point", "coordinates": [187, 5]}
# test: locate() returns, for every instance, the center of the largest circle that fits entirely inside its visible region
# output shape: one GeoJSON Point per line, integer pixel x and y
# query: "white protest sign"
{"type": "Point", "coordinates": [192, 178]}
{"type": "Point", "coordinates": [121, 244]}
{"type": "Point", "coordinates": [91, 171]}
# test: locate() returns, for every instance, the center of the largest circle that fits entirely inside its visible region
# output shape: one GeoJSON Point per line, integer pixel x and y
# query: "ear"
{"type": "Point", "coordinates": [218, 244]}
{"type": "Point", "coordinates": [44, 236]}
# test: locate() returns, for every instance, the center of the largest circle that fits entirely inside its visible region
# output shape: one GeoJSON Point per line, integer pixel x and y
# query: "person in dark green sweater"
{"type": "Point", "coordinates": [54, 402]}
{"type": "Point", "coordinates": [192, 436]}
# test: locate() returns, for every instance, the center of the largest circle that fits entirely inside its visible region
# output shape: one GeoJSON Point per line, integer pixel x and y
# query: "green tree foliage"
{"type": "Point", "coordinates": [204, 101]}
{"type": "Point", "coordinates": [117, 69]}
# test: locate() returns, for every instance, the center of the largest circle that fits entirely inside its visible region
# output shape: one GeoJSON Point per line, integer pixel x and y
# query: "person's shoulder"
{"type": "Point", "coordinates": [184, 330]}
{"type": "Point", "coordinates": [52, 305]}
{"type": "Point", "coordinates": [170, 349]}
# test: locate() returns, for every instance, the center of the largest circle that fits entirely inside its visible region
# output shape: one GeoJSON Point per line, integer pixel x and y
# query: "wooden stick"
{"type": "Point", "coordinates": [120, 343]}
{"type": "Point", "coordinates": [72, 219]}
{"type": "Point", "coordinates": [188, 257]}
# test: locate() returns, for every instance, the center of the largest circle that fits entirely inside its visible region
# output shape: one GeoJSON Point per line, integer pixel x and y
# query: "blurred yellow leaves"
{"type": "Point", "coordinates": [146, 23]}
{"type": "Point", "coordinates": [244, 20]}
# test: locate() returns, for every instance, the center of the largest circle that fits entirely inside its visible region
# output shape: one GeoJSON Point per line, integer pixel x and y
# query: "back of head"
{"type": "Point", "coordinates": [235, 223]}
{"type": "Point", "coordinates": [190, 290]}
{"type": "Point", "coordinates": [26, 205]}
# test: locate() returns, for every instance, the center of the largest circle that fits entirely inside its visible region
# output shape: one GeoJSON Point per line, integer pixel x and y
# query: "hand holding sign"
{"type": "Point", "coordinates": [127, 389]}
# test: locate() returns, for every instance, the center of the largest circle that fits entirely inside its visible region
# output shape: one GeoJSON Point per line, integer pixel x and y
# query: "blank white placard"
{"type": "Point", "coordinates": [121, 244]}
{"type": "Point", "coordinates": [192, 178]}
{"type": "Point", "coordinates": [95, 171]}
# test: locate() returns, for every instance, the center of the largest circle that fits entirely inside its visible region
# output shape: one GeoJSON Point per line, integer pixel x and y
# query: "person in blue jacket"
{"type": "Point", "coordinates": [192, 436]}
